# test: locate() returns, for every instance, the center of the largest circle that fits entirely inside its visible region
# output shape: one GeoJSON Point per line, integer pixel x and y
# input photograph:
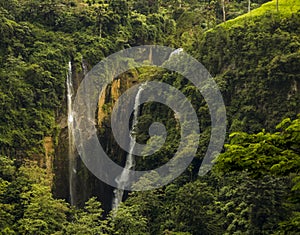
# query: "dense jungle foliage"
{"type": "Point", "coordinates": [254, 186]}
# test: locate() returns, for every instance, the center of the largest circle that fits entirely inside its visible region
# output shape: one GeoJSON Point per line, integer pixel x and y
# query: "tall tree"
{"type": "Point", "coordinates": [223, 10]}
{"type": "Point", "coordinates": [249, 6]}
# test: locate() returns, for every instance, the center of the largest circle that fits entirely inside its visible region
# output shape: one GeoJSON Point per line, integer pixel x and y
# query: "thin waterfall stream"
{"type": "Point", "coordinates": [71, 150]}
{"type": "Point", "coordinates": [130, 161]}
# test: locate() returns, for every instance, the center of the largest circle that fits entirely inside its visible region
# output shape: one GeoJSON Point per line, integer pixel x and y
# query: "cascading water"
{"type": "Point", "coordinates": [130, 162]}
{"type": "Point", "coordinates": [71, 152]}
{"type": "Point", "coordinates": [84, 67]}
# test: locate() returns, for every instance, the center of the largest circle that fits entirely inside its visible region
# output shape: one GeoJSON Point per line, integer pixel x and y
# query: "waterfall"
{"type": "Point", "coordinates": [84, 67]}
{"type": "Point", "coordinates": [130, 162]}
{"type": "Point", "coordinates": [71, 151]}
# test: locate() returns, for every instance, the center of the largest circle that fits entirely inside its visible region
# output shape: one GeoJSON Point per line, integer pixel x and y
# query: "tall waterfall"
{"type": "Point", "coordinates": [130, 162]}
{"type": "Point", "coordinates": [71, 152]}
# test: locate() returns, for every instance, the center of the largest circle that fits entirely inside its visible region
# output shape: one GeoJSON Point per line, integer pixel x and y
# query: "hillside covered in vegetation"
{"type": "Point", "coordinates": [251, 49]}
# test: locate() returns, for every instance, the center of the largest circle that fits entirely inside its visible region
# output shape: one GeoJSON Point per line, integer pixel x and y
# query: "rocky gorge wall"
{"type": "Point", "coordinates": [87, 185]}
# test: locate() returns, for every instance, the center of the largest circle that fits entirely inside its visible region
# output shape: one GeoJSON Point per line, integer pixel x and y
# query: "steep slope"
{"type": "Point", "coordinates": [255, 58]}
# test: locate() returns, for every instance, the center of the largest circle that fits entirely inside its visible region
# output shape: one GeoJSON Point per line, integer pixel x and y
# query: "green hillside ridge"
{"type": "Point", "coordinates": [285, 9]}
{"type": "Point", "coordinates": [255, 61]}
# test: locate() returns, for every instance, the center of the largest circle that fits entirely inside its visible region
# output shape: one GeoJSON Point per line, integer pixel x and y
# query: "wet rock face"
{"type": "Point", "coordinates": [105, 106]}
{"type": "Point", "coordinates": [60, 166]}
{"type": "Point", "coordinates": [87, 184]}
